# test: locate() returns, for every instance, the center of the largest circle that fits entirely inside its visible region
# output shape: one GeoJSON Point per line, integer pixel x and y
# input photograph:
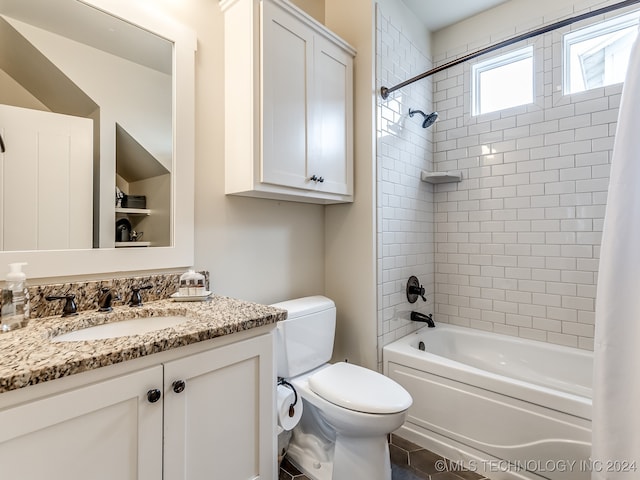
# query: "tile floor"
{"type": "Point", "coordinates": [408, 462]}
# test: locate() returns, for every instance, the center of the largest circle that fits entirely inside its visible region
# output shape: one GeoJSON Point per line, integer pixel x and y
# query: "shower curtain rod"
{"type": "Point", "coordinates": [384, 91]}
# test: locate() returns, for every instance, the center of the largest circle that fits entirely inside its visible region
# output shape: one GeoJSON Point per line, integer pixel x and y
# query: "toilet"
{"type": "Point", "coordinates": [348, 410]}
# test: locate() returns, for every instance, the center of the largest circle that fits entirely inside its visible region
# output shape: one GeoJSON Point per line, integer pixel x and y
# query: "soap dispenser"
{"type": "Point", "coordinates": [15, 312]}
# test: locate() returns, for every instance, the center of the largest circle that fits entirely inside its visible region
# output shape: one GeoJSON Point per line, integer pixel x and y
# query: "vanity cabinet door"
{"type": "Point", "coordinates": [103, 431]}
{"type": "Point", "coordinates": [219, 413]}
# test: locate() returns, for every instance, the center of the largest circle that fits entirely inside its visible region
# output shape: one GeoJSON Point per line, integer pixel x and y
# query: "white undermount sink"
{"type": "Point", "coordinates": [136, 326]}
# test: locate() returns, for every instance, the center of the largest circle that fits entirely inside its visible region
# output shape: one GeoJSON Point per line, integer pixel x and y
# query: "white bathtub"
{"type": "Point", "coordinates": [504, 406]}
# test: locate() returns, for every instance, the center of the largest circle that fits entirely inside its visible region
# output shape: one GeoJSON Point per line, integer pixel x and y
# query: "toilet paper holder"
{"type": "Point", "coordinates": [282, 381]}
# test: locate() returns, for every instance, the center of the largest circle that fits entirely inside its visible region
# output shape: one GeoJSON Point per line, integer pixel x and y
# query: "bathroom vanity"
{"type": "Point", "coordinates": [188, 402]}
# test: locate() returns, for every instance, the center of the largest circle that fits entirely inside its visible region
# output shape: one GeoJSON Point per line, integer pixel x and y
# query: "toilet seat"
{"type": "Point", "coordinates": [359, 389]}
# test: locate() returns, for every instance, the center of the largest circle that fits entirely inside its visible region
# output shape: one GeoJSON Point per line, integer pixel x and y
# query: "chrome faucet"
{"type": "Point", "coordinates": [421, 317]}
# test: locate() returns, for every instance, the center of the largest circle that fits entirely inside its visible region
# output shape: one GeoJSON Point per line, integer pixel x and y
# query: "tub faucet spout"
{"type": "Point", "coordinates": [421, 317]}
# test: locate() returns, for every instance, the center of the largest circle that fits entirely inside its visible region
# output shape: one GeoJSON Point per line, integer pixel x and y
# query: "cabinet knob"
{"type": "Point", "coordinates": [178, 386]}
{"type": "Point", "coordinates": [320, 179]}
{"type": "Point", "coordinates": [154, 395]}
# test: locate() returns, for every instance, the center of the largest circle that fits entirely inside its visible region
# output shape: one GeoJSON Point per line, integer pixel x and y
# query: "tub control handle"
{"type": "Point", "coordinates": [415, 290]}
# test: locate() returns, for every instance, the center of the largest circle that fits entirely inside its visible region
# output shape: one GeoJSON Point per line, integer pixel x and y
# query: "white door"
{"type": "Point", "coordinates": [220, 422]}
{"type": "Point", "coordinates": [105, 431]}
{"type": "Point", "coordinates": [46, 180]}
{"type": "Point", "coordinates": [287, 52]}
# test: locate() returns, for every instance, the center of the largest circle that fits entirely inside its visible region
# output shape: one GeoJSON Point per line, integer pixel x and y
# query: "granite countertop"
{"type": "Point", "coordinates": [30, 357]}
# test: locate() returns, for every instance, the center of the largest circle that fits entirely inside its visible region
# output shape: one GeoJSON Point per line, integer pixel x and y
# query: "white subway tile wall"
{"type": "Point", "coordinates": [517, 242]}
{"type": "Point", "coordinates": [405, 209]}
{"type": "Point", "coordinates": [514, 247]}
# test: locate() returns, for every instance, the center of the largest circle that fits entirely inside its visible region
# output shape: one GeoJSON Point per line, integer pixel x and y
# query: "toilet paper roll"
{"type": "Point", "coordinates": [288, 417]}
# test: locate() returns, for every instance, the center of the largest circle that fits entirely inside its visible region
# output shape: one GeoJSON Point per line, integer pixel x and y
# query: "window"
{"type": "Point", "coordinates": [598, 55]}
{"type": "Point", "coordinates": [503, 82]}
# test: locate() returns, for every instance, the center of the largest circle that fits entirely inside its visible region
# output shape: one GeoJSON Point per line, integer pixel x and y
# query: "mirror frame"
{"type": "Point", "coordinates": [58, 263]}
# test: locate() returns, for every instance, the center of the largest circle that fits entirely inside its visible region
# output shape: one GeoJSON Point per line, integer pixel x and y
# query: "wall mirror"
{"type": "Point", "coordinates": [97, 122]}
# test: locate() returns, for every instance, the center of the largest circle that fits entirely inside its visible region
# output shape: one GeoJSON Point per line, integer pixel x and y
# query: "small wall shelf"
{"type": "Point", "coordinates": [133, 211]}
{"type": "Point", "coordinates": [132, 244]}
{"type": "Point", "coordinates": [441, 177]}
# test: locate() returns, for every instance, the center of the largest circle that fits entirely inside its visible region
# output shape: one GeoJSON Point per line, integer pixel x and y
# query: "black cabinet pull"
{"type": "Point", "coordinates": [178, 386]}
{"type": "Point", "coordinates": [154, 395]}
{"type": "Point", "coordinates": [2, 149]}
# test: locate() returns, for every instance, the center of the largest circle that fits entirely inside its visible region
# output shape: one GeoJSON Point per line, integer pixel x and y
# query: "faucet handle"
{"type": "Point", "coordinates": [415, 290]}
{"type": "Point", "coordinates": [70, 307]}
{"type": "Point", "coordinates": [136, 298]}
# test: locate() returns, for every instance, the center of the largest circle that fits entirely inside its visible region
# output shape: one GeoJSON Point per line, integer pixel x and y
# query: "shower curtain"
{"type": "Point", "coordinates": [616, 395]}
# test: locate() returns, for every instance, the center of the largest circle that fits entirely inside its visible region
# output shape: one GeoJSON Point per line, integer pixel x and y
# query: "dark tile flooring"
{"type": "Point", "coordinates": [408, 462]}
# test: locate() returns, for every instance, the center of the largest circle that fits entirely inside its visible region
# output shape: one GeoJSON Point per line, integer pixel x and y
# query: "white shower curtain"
{"type": "Point", "coordinates": [616, 395]}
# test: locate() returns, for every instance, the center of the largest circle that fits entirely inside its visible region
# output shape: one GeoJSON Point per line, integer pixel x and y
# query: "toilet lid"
{"type": "Point", "coordinates": [360, 389]}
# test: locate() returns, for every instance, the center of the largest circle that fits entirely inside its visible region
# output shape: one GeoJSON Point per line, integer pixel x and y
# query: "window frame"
{"type": "Point", "coordinates": [604, 27]}
{"type": "Point", "coordinates": [501, 60]}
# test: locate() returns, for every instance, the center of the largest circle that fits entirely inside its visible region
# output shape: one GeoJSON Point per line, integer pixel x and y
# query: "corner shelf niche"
{"type": "Point", "coordinates": [441, 177]}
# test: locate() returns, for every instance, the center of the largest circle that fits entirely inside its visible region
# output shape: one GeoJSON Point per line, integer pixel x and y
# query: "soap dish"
{"type": "Point", "coordinates": [190, 298]}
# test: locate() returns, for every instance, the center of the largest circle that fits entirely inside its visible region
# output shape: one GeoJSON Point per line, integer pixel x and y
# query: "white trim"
{"type": "Point", "coordinates": [595, 30]}
{"type": "Point", "coordinates": [46, 264]}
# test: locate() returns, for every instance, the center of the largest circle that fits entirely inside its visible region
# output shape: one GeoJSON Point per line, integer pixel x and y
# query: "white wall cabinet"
{"type": "Point", "coordinates": [288, 105]}
{"type": "Point", "coordinates": [215, 411]}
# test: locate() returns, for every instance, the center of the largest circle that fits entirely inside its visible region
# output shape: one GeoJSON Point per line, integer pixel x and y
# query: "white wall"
{"type": "Point", "coordinates": [404, 203]}
{"type": "Point", "coordinates": [258, 250]}
{"type": "Point", "coordinates": [517, 241]}
{"type": "Point", "coordinates": [350, 228]}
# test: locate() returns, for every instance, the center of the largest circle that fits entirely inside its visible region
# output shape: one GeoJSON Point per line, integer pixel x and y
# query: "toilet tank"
{"type": "Point", "coordinates": [304, 340]}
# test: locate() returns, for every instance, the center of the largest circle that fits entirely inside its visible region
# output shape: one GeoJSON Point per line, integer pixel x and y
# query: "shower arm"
{"type": "Point", "coordinates": [413, 112]}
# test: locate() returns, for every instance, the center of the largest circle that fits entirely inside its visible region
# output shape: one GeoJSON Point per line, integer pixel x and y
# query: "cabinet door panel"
{"type": "Point", "coordinates": [287, 52]}
{"type": "Point", "coordinates": [331, 156]}
{"type": "Point", "coordinates": [221, 427]}
{"type": "Point", "coordinates": [103, 431]}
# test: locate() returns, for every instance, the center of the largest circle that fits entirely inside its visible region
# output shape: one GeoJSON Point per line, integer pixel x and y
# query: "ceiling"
{"type": "Point", "coordinates": [86, 24]}
{"type": "Point", "coordinates": [437, 14]}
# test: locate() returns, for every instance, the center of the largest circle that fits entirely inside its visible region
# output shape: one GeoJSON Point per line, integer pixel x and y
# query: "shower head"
{"type": "Point", "coordinates": [428, 119]}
